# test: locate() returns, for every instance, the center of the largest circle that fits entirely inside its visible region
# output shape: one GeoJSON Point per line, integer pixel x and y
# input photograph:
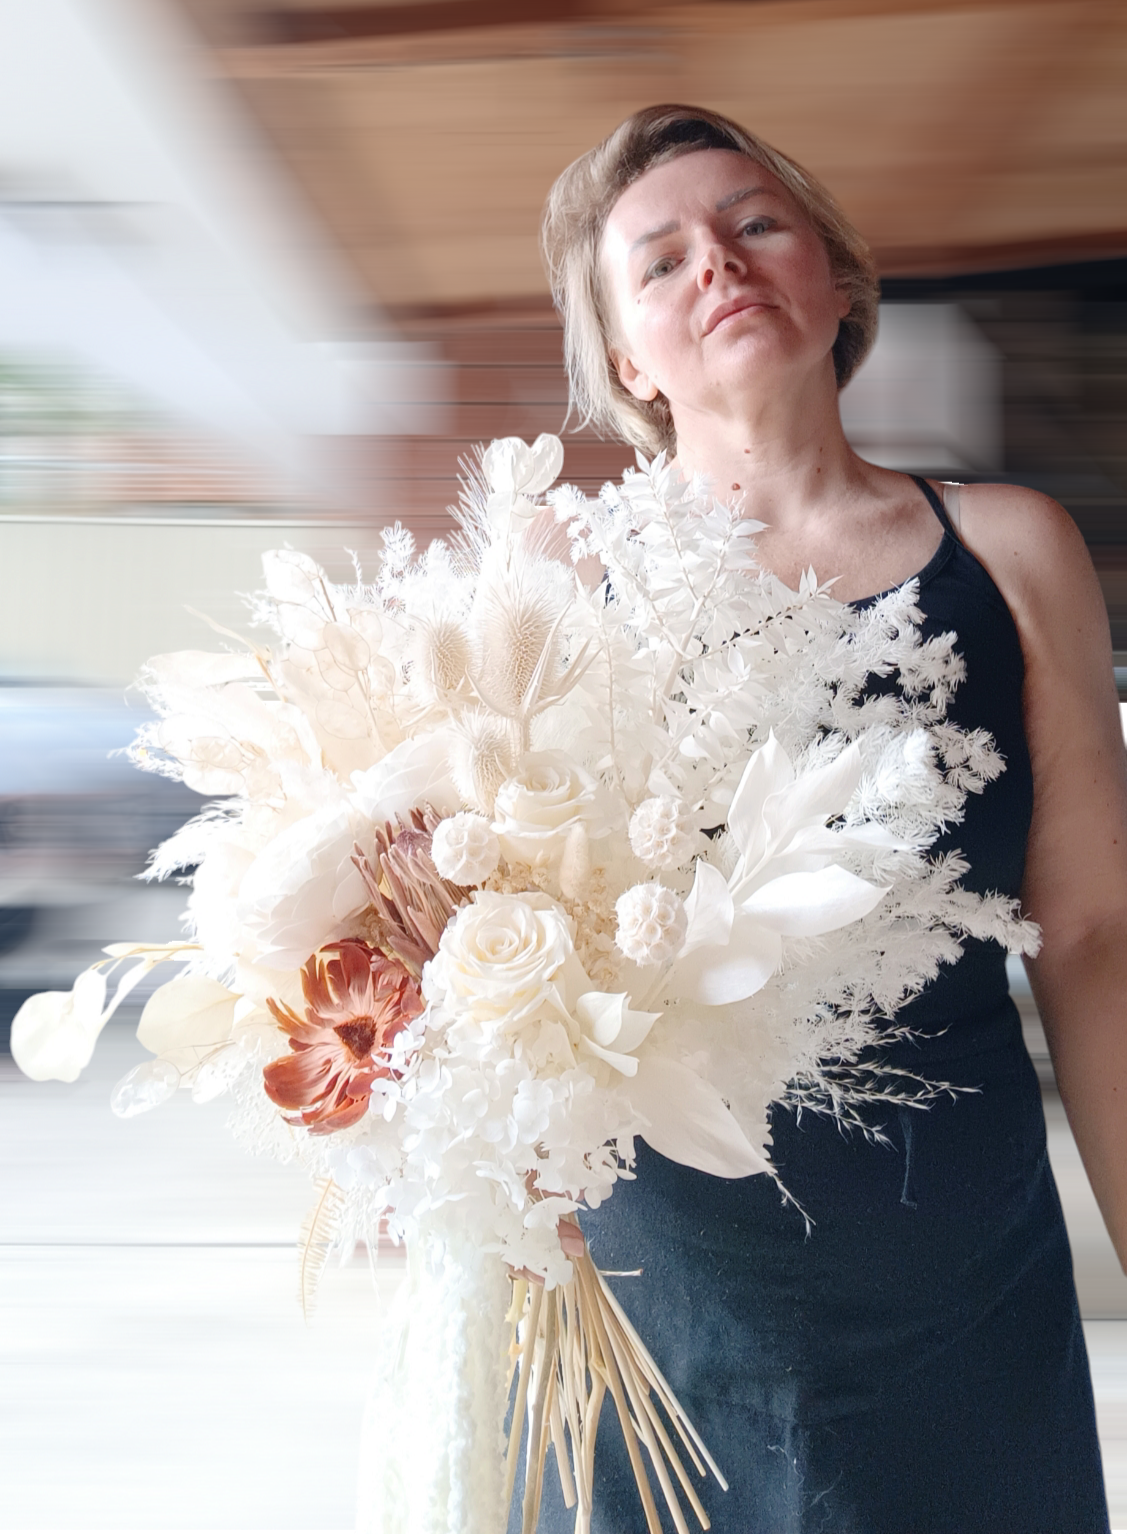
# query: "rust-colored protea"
{"type": "Point", "coordinates": [357, 1000]}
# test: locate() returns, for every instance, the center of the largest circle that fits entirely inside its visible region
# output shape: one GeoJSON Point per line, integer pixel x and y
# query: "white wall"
{"type": "Point", "coordinates": [90, 599]}
{"type": "Point", "coordinates": [929, 395]}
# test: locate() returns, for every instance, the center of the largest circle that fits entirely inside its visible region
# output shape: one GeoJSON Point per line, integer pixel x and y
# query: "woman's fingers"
{"type": "Point", "coordinates": [572, 1244]}
{"type": "Point", "coordinates": [571, 1238]}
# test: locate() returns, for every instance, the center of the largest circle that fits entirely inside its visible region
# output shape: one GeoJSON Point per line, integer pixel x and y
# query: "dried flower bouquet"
{"type": "Point", "coordinates": [457, 935]}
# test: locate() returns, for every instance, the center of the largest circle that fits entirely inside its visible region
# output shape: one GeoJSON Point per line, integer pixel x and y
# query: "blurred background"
{"type": "Point", "coordinates": [266, 273]}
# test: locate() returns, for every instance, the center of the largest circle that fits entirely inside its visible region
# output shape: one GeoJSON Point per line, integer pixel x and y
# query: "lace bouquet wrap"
{"type": "Point", "coordinates": [503, 870]}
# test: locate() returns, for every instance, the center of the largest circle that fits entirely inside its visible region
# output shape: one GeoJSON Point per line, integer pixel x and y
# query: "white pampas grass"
{"type": "Point", "coordinates": [431, 1450]}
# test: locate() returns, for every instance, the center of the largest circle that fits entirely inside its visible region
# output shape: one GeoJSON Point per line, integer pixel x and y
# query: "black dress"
{"type": "Point", "coordinates": [916, 1364]}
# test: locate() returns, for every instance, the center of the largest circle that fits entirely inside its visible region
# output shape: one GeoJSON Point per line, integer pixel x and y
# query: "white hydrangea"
{"type": "Point", "coordinates": [651, 923]}
{"type": "Point", "coordinates": [660, 832]}
{"type": "Point", "coordinates": [465, 848]}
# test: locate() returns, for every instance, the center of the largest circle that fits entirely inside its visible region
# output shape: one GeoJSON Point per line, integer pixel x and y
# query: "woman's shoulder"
{"type": "Point", "coordinates": [997, 515]}
{"type": "Point", "coordinates": [1035, 555]}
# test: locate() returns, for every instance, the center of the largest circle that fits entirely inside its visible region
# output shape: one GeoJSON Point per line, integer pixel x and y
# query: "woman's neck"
{"type": "Point", "coordinates": [783, 460]}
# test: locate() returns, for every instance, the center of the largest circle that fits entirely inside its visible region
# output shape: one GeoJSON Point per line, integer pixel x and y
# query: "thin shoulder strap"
{"type": "Point", "coordinates": [949, 494]}
{"type": "Point", "coordinates": [936, 504]}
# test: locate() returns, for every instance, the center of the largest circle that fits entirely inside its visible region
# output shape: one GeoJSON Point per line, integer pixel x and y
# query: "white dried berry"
{"type": "Point", "coordinates": [661, 833]}
{"type": "Point", "coordinates": [651, 923]}
{"type": "Point", "coordinates": [465, 848]}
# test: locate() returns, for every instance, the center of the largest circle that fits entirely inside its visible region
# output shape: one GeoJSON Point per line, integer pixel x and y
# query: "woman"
{"type": "Point", "coordinates": [916, 1363]}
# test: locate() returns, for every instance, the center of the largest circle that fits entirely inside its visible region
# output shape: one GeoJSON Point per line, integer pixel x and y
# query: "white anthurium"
{"type": "Point", "coordinates": [689, 1122]}
{"type": "Point", "coordinates": [511, 466]}
{"type": "Point", "coordinates": [516, 474]}
{"type": "Point", "coordinates": [612, 1029]}
{"type": "Point", "coordinates": [784, 883]}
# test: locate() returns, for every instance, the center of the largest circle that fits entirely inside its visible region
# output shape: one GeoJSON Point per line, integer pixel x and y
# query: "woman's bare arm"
{"type": "Point", "coordinates": [1076, 870]}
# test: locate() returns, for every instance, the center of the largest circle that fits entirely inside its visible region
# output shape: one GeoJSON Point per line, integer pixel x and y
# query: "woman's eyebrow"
{"type": "Point", "coordinates": [737, 197]}
{"type": "Point", "coordinates": [656, 234]}
{"type": "Point", "coordinates": [731, 201]}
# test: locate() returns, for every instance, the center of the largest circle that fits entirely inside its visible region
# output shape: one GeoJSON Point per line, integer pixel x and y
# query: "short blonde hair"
{"type": "Point", "coordinates": [575, 216]}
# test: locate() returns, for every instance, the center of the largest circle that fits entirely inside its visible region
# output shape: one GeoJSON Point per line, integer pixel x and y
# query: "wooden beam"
{"type": "Point", "coordinates": [285, 27]}
{"type": "Point", "coordinates": [277, 41]}
{"type": "Point", "coordinates": [964, 260]}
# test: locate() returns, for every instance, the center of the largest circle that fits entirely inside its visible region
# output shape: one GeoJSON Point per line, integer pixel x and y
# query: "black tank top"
{"type": "Point", "coordinates": [957, 594]}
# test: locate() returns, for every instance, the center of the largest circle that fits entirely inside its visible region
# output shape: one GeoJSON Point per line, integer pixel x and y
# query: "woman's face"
{"type": "Point", "coordinates": [717, 284]}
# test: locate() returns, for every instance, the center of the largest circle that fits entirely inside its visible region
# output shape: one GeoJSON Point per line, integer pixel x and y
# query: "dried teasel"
{"type": "Point", "coordinates": [438, 656]}
{"type": "Point", "coordinates": [481, 757]}
{"type": "Point", "coordinates": [516, 618]}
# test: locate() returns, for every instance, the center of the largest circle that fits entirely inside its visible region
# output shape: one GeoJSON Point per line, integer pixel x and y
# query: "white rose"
{"type": "Point", "coordinates": [537, 807]}
{"type": "Point", "coordinates": [506, 959]}
{"type": "Point", "coordinates": [464, 848]}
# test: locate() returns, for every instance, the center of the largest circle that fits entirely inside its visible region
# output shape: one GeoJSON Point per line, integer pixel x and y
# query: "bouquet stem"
{"type": "Point", "coordinates": [573, 1346]}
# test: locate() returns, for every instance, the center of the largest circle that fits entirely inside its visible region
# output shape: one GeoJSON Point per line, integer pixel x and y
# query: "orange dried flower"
{"type": "Point", "coordinates": [357, 1000]}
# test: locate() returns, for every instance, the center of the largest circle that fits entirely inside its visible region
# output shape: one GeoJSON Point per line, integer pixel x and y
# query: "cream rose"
{"type": "Point", "coordinates": [506, 959]}
{"type": "Point", "coordinates": [537, 807]}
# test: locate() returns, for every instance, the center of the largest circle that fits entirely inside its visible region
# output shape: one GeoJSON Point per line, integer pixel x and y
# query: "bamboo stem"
{"type": "Point", "coordinates": [574, 1346]}
{"type": "Point", "coordinates": [639, 1395]}
{"type": "Point", "coordinates": [529, 1347]}
{"type": "Point", "coordinates": [675, 1460]}
{"type": "Point", "coordinates": [537, 1427]}
{"type": "Point", "coordinates": [614, 1382]}
{"type": "Point", "coordinates": [657, 1379]}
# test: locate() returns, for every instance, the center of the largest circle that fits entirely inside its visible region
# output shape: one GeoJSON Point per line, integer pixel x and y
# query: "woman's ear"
{"type": "Point", "coordinates": [637, 383]}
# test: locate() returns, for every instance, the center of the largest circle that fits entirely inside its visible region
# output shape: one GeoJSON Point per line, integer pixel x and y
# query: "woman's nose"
{"type": "Point", "coordinates": [717, 258]}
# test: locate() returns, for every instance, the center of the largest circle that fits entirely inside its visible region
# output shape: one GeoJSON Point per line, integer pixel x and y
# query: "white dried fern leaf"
{"type": "Point", "coordinates": [319, 1234]}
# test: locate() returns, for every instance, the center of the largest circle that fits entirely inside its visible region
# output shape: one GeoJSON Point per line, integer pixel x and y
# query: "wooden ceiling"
{"type": "Point", "coordinates": [958, 134]}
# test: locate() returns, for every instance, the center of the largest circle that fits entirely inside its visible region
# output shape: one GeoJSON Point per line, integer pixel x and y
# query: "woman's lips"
{"type": "Point", "coordinates": [726, 311]}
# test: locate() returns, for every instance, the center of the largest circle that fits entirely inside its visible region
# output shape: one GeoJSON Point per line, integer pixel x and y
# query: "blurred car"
{"type": "Point", "coordinates": [77, 823]}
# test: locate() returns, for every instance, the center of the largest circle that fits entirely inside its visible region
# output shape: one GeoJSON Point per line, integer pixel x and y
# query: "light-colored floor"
{"type": "Point", "coordinates": [155, 1371]}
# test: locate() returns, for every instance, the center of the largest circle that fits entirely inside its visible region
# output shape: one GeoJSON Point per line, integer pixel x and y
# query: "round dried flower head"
{"type": "Point", "coordinates": [651, 923]}
{"type": "Point", "coordinates": [660, 832]}
{"type": "Point", "coordinates": [465, 848]}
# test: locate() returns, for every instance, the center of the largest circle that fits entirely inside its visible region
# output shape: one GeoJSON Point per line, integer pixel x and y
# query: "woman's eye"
{"type": "Point", "coordinates": [757, 226]}
{"type": "Point", "coordinates": [661, 268]}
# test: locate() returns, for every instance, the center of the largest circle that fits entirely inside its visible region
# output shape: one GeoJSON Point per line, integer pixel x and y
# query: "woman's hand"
{"type": "Point", "coordinates": [571, 1241]}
